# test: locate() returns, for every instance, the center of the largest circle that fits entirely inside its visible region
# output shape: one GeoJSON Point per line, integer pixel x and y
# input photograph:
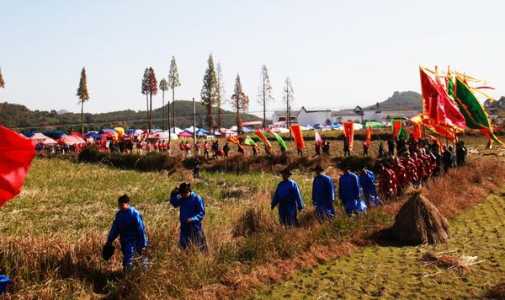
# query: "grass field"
{"type": "Point", "coordinates": [398, 272]}
{"type": "Point", "coordinates": [53, 232]}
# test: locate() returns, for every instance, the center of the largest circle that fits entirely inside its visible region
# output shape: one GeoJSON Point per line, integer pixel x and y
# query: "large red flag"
{"type": "Point", "coordinates": [298, 136]}
{"type": "Point", "coordinates": [368, 136]}
{"type": "Point", "coordinates": [16, 155]}
{"type": "Point", "coordinates": [349, 132]}
{"type": "Point", "coordinates": [438, 107]}
{"type": "Point", "coordinates": [397, 126]}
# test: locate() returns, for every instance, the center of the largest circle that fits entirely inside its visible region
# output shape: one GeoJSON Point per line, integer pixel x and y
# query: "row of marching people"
{"type": "Point", "coordinates": [356, 191]}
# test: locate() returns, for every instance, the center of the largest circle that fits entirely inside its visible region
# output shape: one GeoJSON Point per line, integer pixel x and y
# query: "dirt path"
{"type": "Point", "coordinates": [398, 272]}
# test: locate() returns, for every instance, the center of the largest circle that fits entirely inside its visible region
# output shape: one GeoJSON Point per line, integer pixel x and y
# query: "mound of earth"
{"type": "Point", "coordinates": [419, 222]}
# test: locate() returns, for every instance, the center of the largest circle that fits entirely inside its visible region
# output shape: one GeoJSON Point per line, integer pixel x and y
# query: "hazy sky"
{"type": "Point", "coordinates": [337, 53]}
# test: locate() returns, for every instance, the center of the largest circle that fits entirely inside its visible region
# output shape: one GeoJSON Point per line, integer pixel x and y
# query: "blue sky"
{"type": "Point", "coordinates": [337, 53]}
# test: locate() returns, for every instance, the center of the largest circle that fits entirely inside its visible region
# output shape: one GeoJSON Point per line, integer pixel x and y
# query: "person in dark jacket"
{"type": "Point", "coordinates": [191, 213]}
{"type": "Point", "coordinates": [391, 146]}
{"type": "Point", "coordinates": [448, 158]}
{"type": "Point", "coordinates": [129, 226]}
{"type": "Point", "coordinates": [461, 153]}
{"type": "Point", "coordinates": [347, 147]}
{"type": "Point", "coordinates": [323, 194]}
{"type": "Point", "coordinates": [381, 150]}
{"type": "Point", "coordinates": [289, 200]}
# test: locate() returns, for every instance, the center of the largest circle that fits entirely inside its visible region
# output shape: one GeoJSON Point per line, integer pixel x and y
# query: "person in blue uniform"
{"type": "Point", "coordinates": [289, 200]}
{"type": "Point", "coordinates": [129, 226]}
{"type": "Point", "coordinates": [323, 194]}
{"type": "Point", "coordinates": [367, 182]}
{"type": "Point", "coordinates": [349, 192]}
{"type": "Point", "coordinates": [191, 214]}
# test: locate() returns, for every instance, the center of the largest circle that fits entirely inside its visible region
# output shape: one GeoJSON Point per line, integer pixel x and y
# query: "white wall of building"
{"type": "Point", "coordinates": [311, 118]}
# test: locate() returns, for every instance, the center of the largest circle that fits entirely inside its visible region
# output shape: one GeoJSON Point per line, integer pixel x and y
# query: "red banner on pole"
{"type": "Point", "coordinates": [416, 131]}
{"type": "Point", "coordinates": [16, 155]}
{"type": "Point", "coordinates": [368, 138]}
{"type": "Point", "coordinates": [349, 133]}
{"type": "Point", "coordinates": [397, 126]}
{"type": "Point", "coordinates": [298, 136]}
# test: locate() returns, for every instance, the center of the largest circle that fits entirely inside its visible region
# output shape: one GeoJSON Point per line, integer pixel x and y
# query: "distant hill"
{"type": "Point", "coordinates": [19, 116]}
{"type": "Point", "coordinates": [408, 100]}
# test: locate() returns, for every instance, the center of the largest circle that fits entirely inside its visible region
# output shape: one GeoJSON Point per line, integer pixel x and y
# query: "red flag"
{"type": "Point", "coordinates": [416, 131]}
{"type": "Point", "coordinates": [263, 138]}
{"type": "Point", "coordinates": [438, 107]}
{"type": "Point", "coordinates": [234, 140]}
{"type": "Point", "coordinates": [16, 155]}
{"type": "Point", "coordinates": [368, 137]}
{"type": "Point", "coordinates": [397, 126]}
{"type": "Point", "coordinates": [298, 136]}
{"type": "Point", "coordinates": [349, 132]}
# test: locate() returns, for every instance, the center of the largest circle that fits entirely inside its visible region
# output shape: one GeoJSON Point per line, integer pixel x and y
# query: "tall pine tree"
{"type": "Point", "coordinates": [240, 102]}
{"type": "Point", "coordinates": [173, 83]}
{"type": "Point", "coordinates": [145, 91]}
{"type": "Point", "coordinates": [2, 81]}
{"type": "Point", "coordinates": [163, 89]}
{"type": "Point", "coordinates": [220, 96]}
{"type": "Point", "coordinates": [209, 91]}
{"type": "Point", "coordinates": [82, 93]}
{"type": "Point", "coordinates": [265, 92]}
{"type": "Point", "coordinates": [153, 90]}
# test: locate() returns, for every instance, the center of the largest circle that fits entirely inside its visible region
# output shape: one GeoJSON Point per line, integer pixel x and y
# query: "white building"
{"type": "Point", "coordinates": [280, 117]}
{"type": "Point", "coordinates": [312, 117]}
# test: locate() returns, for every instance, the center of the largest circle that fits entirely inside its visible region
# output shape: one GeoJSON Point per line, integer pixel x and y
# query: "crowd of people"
{"type": "Point", "coordinates": [415, 162]}
{"type": "Point", "coordinates": [404, 164]}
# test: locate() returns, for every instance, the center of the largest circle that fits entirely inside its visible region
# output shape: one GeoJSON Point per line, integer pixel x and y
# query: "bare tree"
{"type": "Point", "coordinates": [265, 92]}
{"type": "Point", "coordinates": [288, 95]}
{"type": "Point", "coordinates": [240, 102]}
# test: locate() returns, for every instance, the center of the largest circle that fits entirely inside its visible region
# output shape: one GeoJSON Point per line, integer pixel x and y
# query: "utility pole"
{"type": "Point", "coordinates": [194, 121]}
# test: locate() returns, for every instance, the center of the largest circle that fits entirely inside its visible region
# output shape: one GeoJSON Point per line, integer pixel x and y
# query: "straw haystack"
{"type": "Point", "coordinates": [419, 222]}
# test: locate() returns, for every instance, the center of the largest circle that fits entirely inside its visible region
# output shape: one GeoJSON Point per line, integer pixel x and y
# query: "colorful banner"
{"type": "Point", "coordinates": [263, 138]}
{"type": "Point", "coordinates": [249, 141]}
{"type": "Point", "coordinates": [349, 133]}
{"type": "Point", "coordinates": [298, 136]}
{"type": "Point", "coordinates": [280, 141]}
{"type": "Point", "coordinates": [318, 139]}
{"type": "Point", "coordinates": [16, 155]}
{"type": "Point", "coordinates": [438, 108]}
{"type": "Point", "coordinates": [417, 132]}
{"type": "Point", "coordinates": [368, 136]}
{"type": "Point", "coordinates": [234, 140]}
{"type": "Point", "coordinates": [397, 126]}
{"type": "Point", "coordinates": [475, 115]}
